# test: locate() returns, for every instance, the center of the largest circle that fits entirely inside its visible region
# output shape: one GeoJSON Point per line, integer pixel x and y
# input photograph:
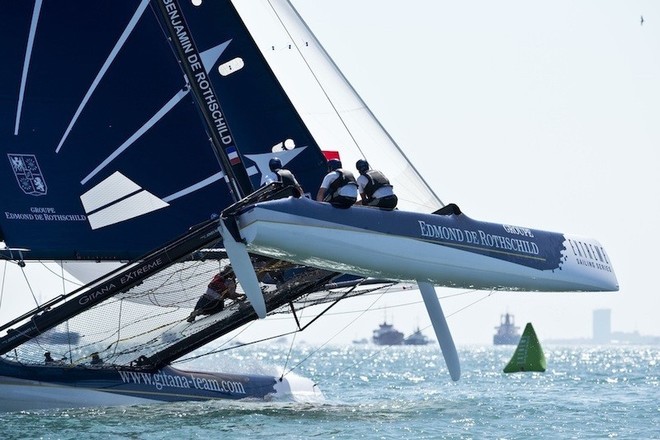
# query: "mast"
{"type": "Point", "coordinates": [205, 97]}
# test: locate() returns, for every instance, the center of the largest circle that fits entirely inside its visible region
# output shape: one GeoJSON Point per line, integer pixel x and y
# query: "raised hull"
{"type": "Point", "coordinates": [43, 387]}
{"type": "Point", "coordinates": [446, 250]}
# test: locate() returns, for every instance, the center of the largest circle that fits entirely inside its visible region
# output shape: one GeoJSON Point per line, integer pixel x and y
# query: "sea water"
{"type": "Point", "coordinates": [397, 393]}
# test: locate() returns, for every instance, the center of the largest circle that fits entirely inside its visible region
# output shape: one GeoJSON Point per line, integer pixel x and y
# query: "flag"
{"type": "Point", "coordinates": [233, 156]}
{"type": "Point", "coordinates": [329, 155]}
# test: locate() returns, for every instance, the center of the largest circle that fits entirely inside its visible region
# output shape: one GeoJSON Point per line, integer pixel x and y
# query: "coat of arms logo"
{"type": "Point", "coordinates": [28, 174]}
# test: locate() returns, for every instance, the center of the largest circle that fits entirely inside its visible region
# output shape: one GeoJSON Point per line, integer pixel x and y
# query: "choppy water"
{"type": "Point", "coordinates": [400, 393]}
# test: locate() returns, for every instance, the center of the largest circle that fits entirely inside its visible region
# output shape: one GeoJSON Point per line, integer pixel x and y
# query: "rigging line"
{"type": "Point", "coordinates": [471, 304]}
{"type": "Point", "coordinates": [278, 336]}
{"type": "Point", "coordinates": [244, 329]}
{"type": "Point", "coordinates": [26, 63]}
{"type": "Point", "coordinates": [27, 281]}
{"type": "Point", "coordinates": [68, 330]}
{"type": "Point", "coordinates": [350, 86]}
{"type": "Point", "coordinates": [220, 349]}
{"type": "Point", "coordinates": [288, 355]}
{"type": "Point", "coordinates": [118, 339]}
{"type": "Point", "coordinates": [240, 345]}
{"type": "Point", "coordinates": [399, 305]}
{"type": "Point", "coordinates": [463, 308]}
{"type": "Point", "coordinates": [335, 335]}
{"type": "Point", "coordinates": [332, 297]}
{"type": "Point", "coordinates": [384, 347]}
{"type": "Point", "coordinates": [293, 340]}
{"type": "Point", "coordinates": [190, 358]}
{"type": "Point", "coordinates": [62, 277]}
{"type": "Point", "coordinates": [224, 344]}
{"type": "Point", "coordinates": [2, 288]}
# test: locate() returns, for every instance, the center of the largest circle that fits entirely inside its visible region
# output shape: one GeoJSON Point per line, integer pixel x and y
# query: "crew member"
{"type": "Point", "coordinates": [375, 189]}
{"type": "Point", "coordinates": [338, 187]}
{"type": "Point", "coordinates": [285, 176]}
{"type": "Point", "coordinates": [223, 285]}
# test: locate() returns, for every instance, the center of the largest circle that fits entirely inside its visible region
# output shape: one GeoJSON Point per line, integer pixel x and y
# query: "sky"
{"type": "Point", "coordinates": [537, 114]}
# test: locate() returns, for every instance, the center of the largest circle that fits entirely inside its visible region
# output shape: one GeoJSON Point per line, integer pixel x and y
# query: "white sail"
{"type": "Point", "coordinates": [335, 114]}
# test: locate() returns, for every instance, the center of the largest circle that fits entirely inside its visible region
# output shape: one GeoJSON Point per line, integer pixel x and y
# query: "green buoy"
{"type": "Point", "coordinates": [528, 355]}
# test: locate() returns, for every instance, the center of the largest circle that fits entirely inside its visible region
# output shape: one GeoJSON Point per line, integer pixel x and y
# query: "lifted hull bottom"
{"type": "Point", "coordinates": [445, 250]}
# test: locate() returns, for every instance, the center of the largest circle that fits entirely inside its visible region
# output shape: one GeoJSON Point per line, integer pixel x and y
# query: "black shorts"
{"type": "Point", "coordinates": [387, 202]}
{"type": "Point", "coordinates": [209, 306]}
{"type": "Point", "coordinates": [342, 202]}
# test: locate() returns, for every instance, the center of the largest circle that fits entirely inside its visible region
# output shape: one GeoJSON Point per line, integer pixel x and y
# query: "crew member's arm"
{"type": "Point", "coordinates": [231, 289]}
{"type": "Point", "coordinates": [361, 184]}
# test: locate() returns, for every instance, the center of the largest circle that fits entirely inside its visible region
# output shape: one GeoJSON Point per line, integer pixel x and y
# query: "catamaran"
{"type": "Point", "coordinates": [139, 133]}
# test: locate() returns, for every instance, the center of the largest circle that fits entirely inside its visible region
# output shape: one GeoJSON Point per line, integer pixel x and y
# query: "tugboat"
{"type": "Point", "coordinates": [417, 338]}
{"type": "Point", "coordinates": [386, 334]}
{"type": "Point", "coordinates": [507, 332]}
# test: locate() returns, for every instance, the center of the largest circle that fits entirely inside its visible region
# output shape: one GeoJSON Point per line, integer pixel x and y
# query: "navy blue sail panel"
{"type": "Point", "coordinates": [104, 153]}
{"type": "Point", "coordinates": [257, 109]}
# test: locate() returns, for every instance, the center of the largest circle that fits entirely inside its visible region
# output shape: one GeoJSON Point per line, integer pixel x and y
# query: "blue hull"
{"type": "Point", "coordinates": [60, 386]}
{"type": "Point", "coordinates": [445, 249]}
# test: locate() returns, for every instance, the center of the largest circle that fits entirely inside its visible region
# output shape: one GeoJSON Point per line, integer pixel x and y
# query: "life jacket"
{"type": "Point", "coordinates": [286, 177]}
{"type": "Point", "coordinates": [376, 180]}
{"type": "Point", "coordinates": [218, 284]}
{"type": "Point", "coordinates": [345, 178]}
{"type": "Point", "coordinates": [289, 180]}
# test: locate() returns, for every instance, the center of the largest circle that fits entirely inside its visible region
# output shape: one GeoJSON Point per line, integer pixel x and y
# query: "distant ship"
{"type": "Point", "coordinates": [417, 338]}
{"type": "Point", "coordinates": [507, 332]}
{"type": "Point", "coordinates": [386, 334]}
{"type": "Point", "coordinates": [361, 341]}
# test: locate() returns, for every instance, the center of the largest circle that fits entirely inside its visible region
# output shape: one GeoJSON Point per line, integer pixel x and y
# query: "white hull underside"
{"type": "Point", "coordinates": [372, 254]}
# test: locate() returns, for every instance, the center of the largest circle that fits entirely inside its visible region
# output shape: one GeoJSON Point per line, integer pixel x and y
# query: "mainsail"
{"type": "Point", "coordinates": [106, 155]}
{"type": "Point", "coordinates": [112, 148]}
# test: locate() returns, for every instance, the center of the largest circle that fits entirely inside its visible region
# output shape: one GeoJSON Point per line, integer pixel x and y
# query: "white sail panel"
{"type": "Point", "coordinates": [332, 110]}
{"type": "Point", "coordinates": [134, 206]}
{"type": "Point", "coordinates": [113, 188]}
